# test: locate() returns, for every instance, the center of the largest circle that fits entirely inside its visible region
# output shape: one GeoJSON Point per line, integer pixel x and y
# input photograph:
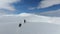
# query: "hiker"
{"type": "Point", "coordinates": [20, 25]}
{"type": "Point", "coordinates": [24, 21]}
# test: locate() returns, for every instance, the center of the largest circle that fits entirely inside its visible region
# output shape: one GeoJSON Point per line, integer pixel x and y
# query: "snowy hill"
{"type": "Point", "coordinates": [35, 24]}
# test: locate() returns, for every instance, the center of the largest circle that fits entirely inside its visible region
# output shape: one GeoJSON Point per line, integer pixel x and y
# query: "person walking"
{"type": "Point", "coordinates": [24, 21]}
{"type": "Point", "coordinates": [21, 24]}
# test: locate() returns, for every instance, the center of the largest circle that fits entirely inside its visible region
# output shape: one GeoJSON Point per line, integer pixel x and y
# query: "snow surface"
{"type": "Point", "coordinates": [39, 28]}
{"type": "Point", "coordinates": [29, 28]}
{"type": "Point", "coordinates": [36, 24]}
{"type": "Point", "coordinates": [8, 28]}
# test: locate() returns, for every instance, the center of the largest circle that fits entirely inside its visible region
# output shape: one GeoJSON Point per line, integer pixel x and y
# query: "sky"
{"type": "Point", "coordinates": [39, 7]}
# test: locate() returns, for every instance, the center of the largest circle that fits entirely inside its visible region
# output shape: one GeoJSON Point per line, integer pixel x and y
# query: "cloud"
{"type": "Point", "coordinates": [54, 13]}
{"type": "Point", "coordinates": [24, 14]}
{"type": "Point", "coordinates": [6, 4]}
{"type": "Point", "coordinates": [5, 12]}
{"type": "Point", "coordinates": [48, 3]}
{"type": "Point", "coordinates": [31, 8]}
{"type": "Point", "coordinates": [2, 13]}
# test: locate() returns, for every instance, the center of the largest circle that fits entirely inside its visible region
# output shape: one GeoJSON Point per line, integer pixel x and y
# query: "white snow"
{"type": "Point", "coordinates": [36, 24]}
